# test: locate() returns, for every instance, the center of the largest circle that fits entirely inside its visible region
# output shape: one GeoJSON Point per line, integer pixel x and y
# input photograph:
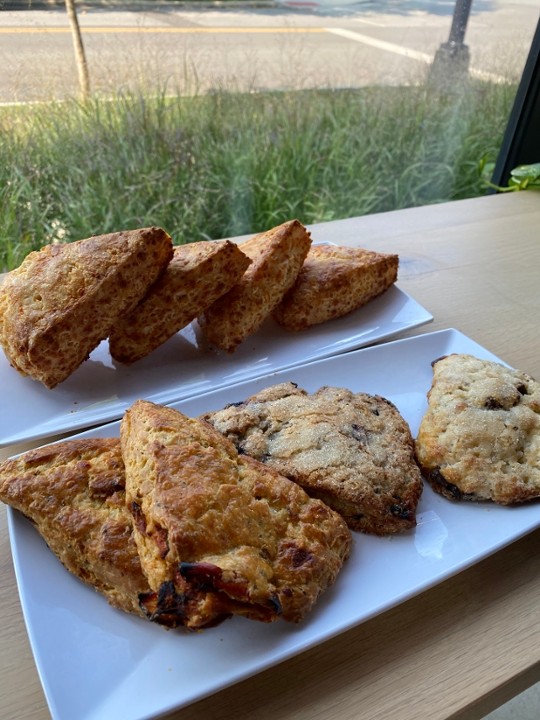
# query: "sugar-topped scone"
{"type": "Point", "coordinates": [198, 274]}
{"type": "Point", "coordinates": [74, 493]}
{"type": "Point", "coordinates": [480, 436]}
{"type": "Point", "coordinates": [58, 305]}
{"type": "Point", "coordinates": [277, 256]}
{"type": "Point", "coordinates": [353, 451]}
{"type": "Point", "coordinates": [218, 533]}
{"type": "Point", "coordinates": [334, 281]}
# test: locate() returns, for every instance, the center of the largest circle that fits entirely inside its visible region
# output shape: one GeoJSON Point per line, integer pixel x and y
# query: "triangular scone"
{"type": "Point", "coordinates": [197, 276]}
{"type": "Point", "coordinates": [480, 436]}
{"type": "Point", "coordinates": [219, 534]}
{"type": "Point", "coordinates": [277, 256]}
{"type": "Point", "coordinates": [74, 493]}
{"type": "Point", "coordinates": [335, 281]}
{"type": "Point", "coordinates": [353, 451]}
{"type": "Point", "coordinates": [58, 305]}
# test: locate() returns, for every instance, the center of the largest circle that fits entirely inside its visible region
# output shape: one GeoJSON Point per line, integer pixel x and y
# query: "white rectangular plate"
{"type": "Point", "coordinates": [96, 662]}
{"type": "Point", "coordinates": [100, 389]}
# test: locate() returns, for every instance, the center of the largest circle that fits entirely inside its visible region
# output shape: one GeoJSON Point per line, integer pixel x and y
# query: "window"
{"type": "Point", "coordinates": [225, 120]}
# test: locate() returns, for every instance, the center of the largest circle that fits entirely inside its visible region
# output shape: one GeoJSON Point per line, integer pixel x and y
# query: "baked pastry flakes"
{"type": "Point", "coordinates": [334, 281]}
{"type": "Point", "coordinates": [58, 305]}
{"type": "Point", "coordinates": [480, 436]}
{"type": "Point", "coordinates": [198, 274]}
{"type": "Point", "coordinates": [74, 493]}
{"type": "Point", "coordinates": [353, 451]}
{"type": "Point", "coordinates": [220, 534]}
{"type": "Point", "coordinates": [277, 256]}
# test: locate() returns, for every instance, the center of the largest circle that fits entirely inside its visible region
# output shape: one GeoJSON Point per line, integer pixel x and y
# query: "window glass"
{"type": "Point", "coordinates": [220, 120]}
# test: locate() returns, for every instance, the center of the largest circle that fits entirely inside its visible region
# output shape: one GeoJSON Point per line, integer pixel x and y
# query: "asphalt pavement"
{"type": "Point", "coordinates": [249, 46]}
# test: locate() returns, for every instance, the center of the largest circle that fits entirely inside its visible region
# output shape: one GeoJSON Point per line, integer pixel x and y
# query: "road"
{"type": "Point", "coordinates": [302, 45]}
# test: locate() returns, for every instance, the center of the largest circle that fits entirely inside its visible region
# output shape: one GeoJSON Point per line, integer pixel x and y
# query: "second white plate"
{"type": "Point", "coordinates": [96, 662]}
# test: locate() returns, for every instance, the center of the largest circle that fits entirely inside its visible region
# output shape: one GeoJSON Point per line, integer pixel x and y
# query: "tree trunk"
{"type": "Point", "coordinates": [80, 57]}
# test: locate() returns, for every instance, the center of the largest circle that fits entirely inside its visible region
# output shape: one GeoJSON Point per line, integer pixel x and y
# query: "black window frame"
{"type": "Point", "coordinates": [521, 140]}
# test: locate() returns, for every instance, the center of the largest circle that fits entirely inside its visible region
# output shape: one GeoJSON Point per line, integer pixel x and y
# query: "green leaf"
{"type": "Point", "coordinates": [525, 177]}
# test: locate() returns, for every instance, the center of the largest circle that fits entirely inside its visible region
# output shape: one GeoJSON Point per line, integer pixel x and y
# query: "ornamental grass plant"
{"type": "Point", "coordinates": [225, 164]}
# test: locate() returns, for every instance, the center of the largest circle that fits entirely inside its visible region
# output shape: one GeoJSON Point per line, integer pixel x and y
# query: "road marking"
{"type": "Point", "coordinates": [342, 32]}
{"type": "Point", "coordinates": [189, 30]}
{"type": "Point", "coordinates": [380, 44]}
{"type": "Point", "coordinates": [365, 21]}
{"type": "Point", "coordinates": [408, 52]}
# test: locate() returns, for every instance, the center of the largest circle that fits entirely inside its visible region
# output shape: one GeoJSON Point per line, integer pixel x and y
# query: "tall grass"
{"type": "Point", "coordinates": [227, 164]}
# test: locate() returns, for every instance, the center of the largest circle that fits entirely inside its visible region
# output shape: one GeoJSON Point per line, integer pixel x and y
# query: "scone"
{"type": "Point", "coordinates": [480, 436]}
{"type": "Point", "coordinates": [58, 305]}
{"type": "Point", "coordinates": [277, 257]}
{"type": "Point", "coordinates": [74, 493]}
{"type": "Point", "coordinates": [335, 281]}
{"type": "Point", "coordinates": [220, 534]}
{"type": "Point", "coordinates": [197, 276]}
{"type": "Point", "coordinates": [353, 451]}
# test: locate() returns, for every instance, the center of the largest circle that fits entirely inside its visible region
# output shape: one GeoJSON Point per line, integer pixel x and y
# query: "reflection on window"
{"type": "Point", "coordinates": [214, 122]}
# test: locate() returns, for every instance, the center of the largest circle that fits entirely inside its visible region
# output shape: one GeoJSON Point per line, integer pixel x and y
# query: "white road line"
{"type": "Point", "coordinates": [407, 52]}
{"type": "Point", "coordinates": [380, 44]}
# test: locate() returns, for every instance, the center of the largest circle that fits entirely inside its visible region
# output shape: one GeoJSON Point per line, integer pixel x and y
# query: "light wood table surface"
{"type": "Point", "coordinates": [463, 647]}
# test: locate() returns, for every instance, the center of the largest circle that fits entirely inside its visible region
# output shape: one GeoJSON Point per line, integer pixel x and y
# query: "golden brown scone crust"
{"type": "Point", "coordinates": [353, 451]}
{"type": "Point", "coordinates": [218, 533]}
{"type": "Point", "coordinates": [277, 257]}
{"type": "Point", "coordinates": [58, 305]}
{"type": "Point", "coordinates": [74, 493]}
{"type": "Point", "coordinates": [197, 276]}
{"type": "Point", "coordinates": [335, 281]}
{"type": "Point", "coordinates": [480, 436]}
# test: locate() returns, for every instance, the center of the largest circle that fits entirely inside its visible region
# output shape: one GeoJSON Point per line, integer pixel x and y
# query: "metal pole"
{"type": "Point", "coordinates": [462, 11]}
{"type": "Point", "coordinates": [451, 60]}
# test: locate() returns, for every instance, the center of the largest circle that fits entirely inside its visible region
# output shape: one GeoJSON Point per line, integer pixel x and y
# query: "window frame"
{"type": "Point", "coordinates": [521, 140]}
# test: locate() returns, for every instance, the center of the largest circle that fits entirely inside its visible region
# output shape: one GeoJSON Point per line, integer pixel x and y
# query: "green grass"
{"type": "Point", "coordinates": [229, 164]}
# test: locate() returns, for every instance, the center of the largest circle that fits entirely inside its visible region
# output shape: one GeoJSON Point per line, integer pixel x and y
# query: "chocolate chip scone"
{"type": "Point", "coordinates": [220, 534]}
{"type": "Point", "coordinates": [74, 492]}
{"type": "Point", "coordinates": [480, 436]}
{"type": "Point", "coordinates": [352, 450]}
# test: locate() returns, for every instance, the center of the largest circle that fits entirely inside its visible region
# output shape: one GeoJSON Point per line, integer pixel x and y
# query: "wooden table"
{"type": "Point", "coordinates": [464, 647]}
